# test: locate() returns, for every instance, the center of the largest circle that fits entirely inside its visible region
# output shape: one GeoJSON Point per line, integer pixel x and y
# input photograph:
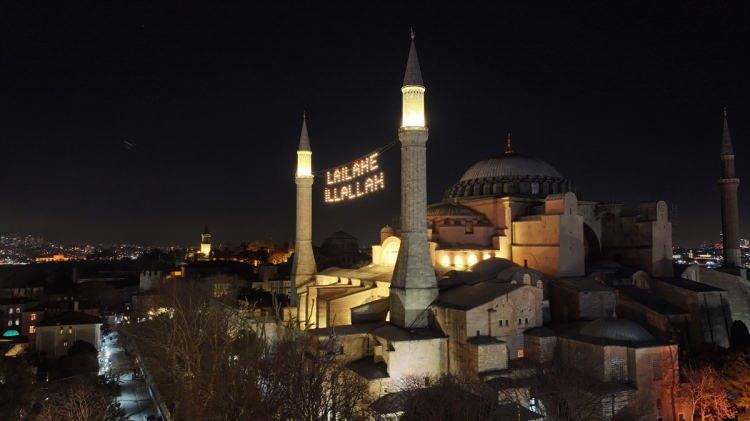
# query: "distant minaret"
{"type": "Point", "coordinates": [206, 243]}
{"type": "Point", "coordinates": [303, 265]}
{"type": "Point", "coordinates": [730, 217]}
{"type": "Point", "coordinates": [413, 286]}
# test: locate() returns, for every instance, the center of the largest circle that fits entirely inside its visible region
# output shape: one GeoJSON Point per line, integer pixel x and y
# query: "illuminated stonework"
{"type": "Point", "coordinates": [413, 106]}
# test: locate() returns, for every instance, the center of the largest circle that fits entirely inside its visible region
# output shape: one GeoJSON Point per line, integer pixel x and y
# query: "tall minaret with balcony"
{"type": "Point", "coordinates": [413, 286]}
{"type": "Point", "coordinates": [730, 216]}
{"type": "Point", "coordinates": [303, 264]}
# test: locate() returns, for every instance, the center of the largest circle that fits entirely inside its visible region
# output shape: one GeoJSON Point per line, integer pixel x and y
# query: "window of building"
{"type": "Point", "coordinates": [526, 321]}
{"type": "Point", "coordinates": [18, 322]}
{"type": "Point", "coordinates": [507, 322]}
{"type": "Point", "coordinates": [65, 343]}
{"type": "Point", "coordinates": [70, 330]}
{"type": "Point", "coordinates": [519, 322]}
{"type": "Point", "coordinates": [10, 311]}
{"type": "Point", "coordinates": [61, 330]}
{"type": "Point", "coordinates": [33, 316]}
{"type": "Point", "coordinates": [469, 227]}
{"type": "Point", "coordinates": [10, 323]}
{"type": "Point", "coordinates": [656, 367]}
{"type": "Point", "coordinates": [519, 353]}
{"type": "Point", "coordinates": [618, 368]}
{"type": "Point", "coordinates": [18, 309]}
{"type": "Point", "coordinates": [32, 329]}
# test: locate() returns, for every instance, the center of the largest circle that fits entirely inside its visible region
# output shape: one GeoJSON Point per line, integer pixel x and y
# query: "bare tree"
{"type": "Point", "coordinates": [81, 398]}
{"type": "Point", "coordinates": [445, 398]}
{"type": "Point", "coordinates": [703, 390]}
{"type": "Point", "coordinates": [213, 361]}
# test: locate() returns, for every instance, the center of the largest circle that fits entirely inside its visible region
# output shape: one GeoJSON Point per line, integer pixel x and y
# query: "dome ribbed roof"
{"type": "Point", "coordinates": [509, 166]}
{"type": "Point", "coordinates": [451, 209]}
{"type": "Point", "coordinates": [616, 329]}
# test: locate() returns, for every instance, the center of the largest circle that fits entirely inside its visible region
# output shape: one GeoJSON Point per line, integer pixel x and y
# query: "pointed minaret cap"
{"type": "Point", "coordinates": [726, 139]}
{"type": "Point", "coordinates": [304, 139]}
{"type": "Point", "coordinates": [508, 146]}
{"type": "Point", "coordinates": [413, 75]}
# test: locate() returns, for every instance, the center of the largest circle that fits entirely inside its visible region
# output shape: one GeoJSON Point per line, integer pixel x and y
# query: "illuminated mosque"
{"type": "Point", "coordinates": [509, 266]}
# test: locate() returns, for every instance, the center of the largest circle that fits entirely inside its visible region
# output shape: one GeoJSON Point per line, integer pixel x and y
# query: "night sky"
{"type": "Point", "coordinates": [141, 122]}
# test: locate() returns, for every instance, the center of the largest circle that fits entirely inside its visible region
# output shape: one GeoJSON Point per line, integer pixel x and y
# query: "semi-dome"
{"type": "Point", "coordinates": [510, 165]}
{"type": "Point", "coordinates": [616, 329]}
{"type": "Point", "coordinates": [451, 209]}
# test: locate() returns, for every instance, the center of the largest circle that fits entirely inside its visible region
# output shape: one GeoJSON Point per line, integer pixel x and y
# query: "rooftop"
{"type": "Point", "coordinates": [395, 333]}
{"type": "Point", "coordinates": [650, 300]}
{"type": "Point", "coordinates": [587, 284]}
{"type": "Point", "coordinates": [70, 318]}
{"type": "Point", "coordinates": [369, 369]}
{"type": "Point", "coordinates": [467, 297]}
{"type": "Point", "coordinates": [689, 285]}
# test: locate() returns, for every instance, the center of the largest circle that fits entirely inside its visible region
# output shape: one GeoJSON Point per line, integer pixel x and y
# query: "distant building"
{"type": "Point", "coordinates": [53, 258]}
{"type": "Point", "coordinates": [55, 334]}
{"type": "Point", "coordinates": [205, 249]}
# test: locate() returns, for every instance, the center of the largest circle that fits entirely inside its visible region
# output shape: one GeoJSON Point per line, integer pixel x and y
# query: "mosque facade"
{"type": "Point", "coordinates": [513, 267]}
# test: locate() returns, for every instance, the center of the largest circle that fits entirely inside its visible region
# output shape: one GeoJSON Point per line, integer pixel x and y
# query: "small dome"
{"type": "Point", "coordinates": [490, 268]}
{"type": "Point", "coordinates": [616, 329]}
{"type": "Point", "coordinates": [341, 235]}
{"type": "Point", "coordinates": [510, 165]}
{"type": "Point", "coordinates": [451, 209]}
{"type": "Point", "coordinates": [387, 230]}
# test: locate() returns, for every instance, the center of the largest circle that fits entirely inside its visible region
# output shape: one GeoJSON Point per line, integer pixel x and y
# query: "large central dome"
{"type": "Point", "coordinates": [510, 174]}
{"type": "Point", "coordinates": [510, 165]}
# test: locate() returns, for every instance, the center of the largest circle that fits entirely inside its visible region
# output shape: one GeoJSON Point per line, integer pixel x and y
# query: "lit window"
{"type": "Point", "coordinates": [10, 323]}
{"type": "Point", "coordinates": [70, 330]}
{"type": "Point", "coordinates": [472, 259]}
{"type": "Point", "coordinates": [65, 343]}
{"type": "Point", "coordinates": [33, 316]}
{"type": "Point", "coordinates": [469, 227]}
{"type": "Point", "coordinates": [18, 322]}
{"type": "Point", "coordinates": [10, 311]}
{"type": "Point", "coordinates": [61, 330]}
{"type": "Point", "coordinates": [446, 260]}
{"type": "Point", "coordinates": [486, 256]}
{"type": "Point", "coordinates": [18, 309]}
{"type": "Point", "coordinates": [519, 353]}
{"type": "Point", "coordinates": [32, 329]}
{"type": "Point", "coordinates": [459, 261]}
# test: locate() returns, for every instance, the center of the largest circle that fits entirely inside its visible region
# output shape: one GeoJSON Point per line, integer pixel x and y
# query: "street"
{"type": "Point", "coordinates": [134, 398]}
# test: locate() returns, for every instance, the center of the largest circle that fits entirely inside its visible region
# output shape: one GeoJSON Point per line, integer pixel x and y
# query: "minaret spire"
{"type": "Point", "coordinates": [303, 264]}
{"type": "Point", "coordinates": [413, 74]}
{"type": "Point", "coordinates": [508, 146]}
{"type": "Point", "coordinates": [730, 215]}
{"type": "Point", "coordinates": [413, 286]}
{"type": "Point", "coordinates": [726, 138]}
{"type": "Point", "coordinates": [304, 138]}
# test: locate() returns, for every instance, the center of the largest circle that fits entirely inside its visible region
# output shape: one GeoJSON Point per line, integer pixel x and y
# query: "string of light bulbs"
{"type": "Point", "coordinates": [356, 178]}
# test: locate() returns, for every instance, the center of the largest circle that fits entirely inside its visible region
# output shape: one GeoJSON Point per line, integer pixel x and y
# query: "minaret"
{"type": "Point", "coordinates": [730, 217]}
{"type": "Point", "coordinates": [303, 265]}
{"type": "Point", "coordinates": [206, 243]}
{"type": "Point", "coordinates": [413, 286]}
